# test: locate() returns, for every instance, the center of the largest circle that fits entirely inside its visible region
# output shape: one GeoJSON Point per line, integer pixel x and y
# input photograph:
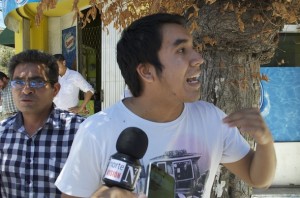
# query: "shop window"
{"type": "Point", "coordinates": [288, 51]}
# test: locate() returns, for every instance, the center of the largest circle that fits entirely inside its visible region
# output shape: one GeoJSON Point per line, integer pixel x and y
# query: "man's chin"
{"type": "Point", "coordinates": [193, 98]}
{"type": "Point", "coordinates": [26, 109]}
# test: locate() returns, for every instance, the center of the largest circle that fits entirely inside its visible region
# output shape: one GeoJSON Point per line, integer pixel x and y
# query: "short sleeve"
{"type": "Point", "coordinates": [79, 175]}
{"type": "Point", "coordinates": [82, 84]}
{"type": "Point", "coordinates": [235, 147]}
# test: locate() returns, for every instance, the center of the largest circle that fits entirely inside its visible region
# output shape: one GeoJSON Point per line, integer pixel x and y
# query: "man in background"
{"type": "Point", "coordinates": [35, 142]}
{"type": "Point", "coordinates": [71, 83]}
{"type": "Point", "coordinates": [8, 106]}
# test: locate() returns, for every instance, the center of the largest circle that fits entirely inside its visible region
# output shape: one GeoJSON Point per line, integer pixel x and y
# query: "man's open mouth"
{"type": "Point", "coordinates": [194, 79]}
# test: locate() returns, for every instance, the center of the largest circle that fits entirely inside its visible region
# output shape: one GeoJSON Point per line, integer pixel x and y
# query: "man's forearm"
{"type": "Point", "coordinates": [263, 165]}
{"type": "Point", "coordinates": [87, 97]}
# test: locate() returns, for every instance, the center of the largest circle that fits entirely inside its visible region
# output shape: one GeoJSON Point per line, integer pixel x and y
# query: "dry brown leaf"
{"type": "Point", "coordinates": [241, 24]}
{"type": "Point", "coordinates": [112, 9]}
{"type": "Point", "coordinates": [210, 1]}
{"type": "Point", "coordinates": [258, 18]}
{"type": "Point", "coordinates": [226, 6]}
{"type": "Point", "coordinates": [264, 77]}
{"type": "Point", "coordinates": [208, 40]}
{"type": "Point", "coordinates": [155, 6]}
{"type": "Point", "coordinates": [199, 47]}
{"type": "Point", "coordinates": [256, 75]}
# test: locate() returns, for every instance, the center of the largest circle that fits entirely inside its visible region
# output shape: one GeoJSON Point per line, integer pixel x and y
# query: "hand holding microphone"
{"type": "Point", "coordinates": [123, 169]}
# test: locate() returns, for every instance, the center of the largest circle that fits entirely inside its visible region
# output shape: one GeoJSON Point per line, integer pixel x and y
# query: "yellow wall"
{"type": "Point", "coordinates": [18, 42]}
{"type": "Point", "coordinates": [39, 35]}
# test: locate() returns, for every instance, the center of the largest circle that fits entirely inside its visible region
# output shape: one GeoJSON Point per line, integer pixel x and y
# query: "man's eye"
{"type": "Point", "coordinates": [181, 50]}
{"type": "Point", "coordinates": [19, 82]}
{"type": "Point", "coordinates": [36, 81]}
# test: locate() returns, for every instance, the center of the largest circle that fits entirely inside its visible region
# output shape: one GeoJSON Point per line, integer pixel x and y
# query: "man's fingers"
{"type": "Point", "coordinates": [251, 122]}
{"type": "Point", "coordinates": [244, 118]}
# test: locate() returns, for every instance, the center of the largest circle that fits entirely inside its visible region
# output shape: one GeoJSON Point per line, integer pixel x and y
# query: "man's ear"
{"type": "Point", "coordinates": [64, 63]}
{"type": "Point", "coordinates": [146, 72]}
{"type": "Point", "coordinates": [56, 88]}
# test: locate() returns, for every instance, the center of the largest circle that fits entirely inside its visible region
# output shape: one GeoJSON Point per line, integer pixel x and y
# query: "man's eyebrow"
{"type": "Point", "coordinates": [179, 41]}
{"type": "Point", "coordinates": [31, 78]}
{"type": "Point", "coordinates": [36, 78]}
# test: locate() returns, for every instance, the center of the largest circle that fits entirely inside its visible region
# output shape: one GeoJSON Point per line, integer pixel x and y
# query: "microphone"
{"type": "Point", "coordinates": [124, 168]}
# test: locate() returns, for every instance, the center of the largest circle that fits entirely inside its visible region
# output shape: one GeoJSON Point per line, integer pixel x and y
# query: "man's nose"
{"type": "Point", "coordinates": [197, 59]}
{"type": "Point", "coordinates": [27, 89]}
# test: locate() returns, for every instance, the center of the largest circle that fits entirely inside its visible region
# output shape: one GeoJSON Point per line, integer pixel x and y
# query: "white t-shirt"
{"type": "Point", "coordinates": [196, 142]}
{"type": "Point", "coordinates": [70, 84]}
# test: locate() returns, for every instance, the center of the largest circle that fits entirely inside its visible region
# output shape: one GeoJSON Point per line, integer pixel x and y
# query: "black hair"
{"type": "Point", "coordinates": [59, 57]}
{"type": "Point", "coordinates": [39, 57]}
{"type": "Point", "coordinates": [140, 43]}
{"type": "Point", "coordinates": [3, 75]}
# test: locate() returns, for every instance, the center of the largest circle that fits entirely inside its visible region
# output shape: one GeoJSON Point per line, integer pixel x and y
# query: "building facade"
{"type": "Point", "coordinates": [89, 50]}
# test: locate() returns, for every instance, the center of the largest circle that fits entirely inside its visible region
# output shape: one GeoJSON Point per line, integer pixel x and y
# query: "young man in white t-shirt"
{"type": "Point", "coordinates": [190, 137]}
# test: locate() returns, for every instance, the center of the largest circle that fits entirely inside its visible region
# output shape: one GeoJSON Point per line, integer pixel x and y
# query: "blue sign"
{"type": "Point", "coordinates": [9, 5]}
{"type": "Point", "coordinates": [69, 46]}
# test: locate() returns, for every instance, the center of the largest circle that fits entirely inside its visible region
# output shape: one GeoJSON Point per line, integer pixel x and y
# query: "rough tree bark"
{"type": "Point", "coordinates": [231, 74]}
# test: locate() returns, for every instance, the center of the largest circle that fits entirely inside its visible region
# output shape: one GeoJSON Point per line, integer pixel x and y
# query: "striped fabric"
{"type": "Point", "coordinates": [8, 106]}
{"type": "Point", "coordinates": [29, 166]}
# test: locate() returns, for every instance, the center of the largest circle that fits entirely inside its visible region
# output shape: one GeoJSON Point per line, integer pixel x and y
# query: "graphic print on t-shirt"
{"type": "Point", "coordinates": [185, 168]}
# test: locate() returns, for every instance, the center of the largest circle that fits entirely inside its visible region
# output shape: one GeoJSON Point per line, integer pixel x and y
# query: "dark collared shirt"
{"type": "Point", "coordinates": [29, 166]}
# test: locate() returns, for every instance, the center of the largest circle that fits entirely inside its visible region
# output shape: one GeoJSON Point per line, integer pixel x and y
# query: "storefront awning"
{"type": "Point", "coordinates": [7, 38]}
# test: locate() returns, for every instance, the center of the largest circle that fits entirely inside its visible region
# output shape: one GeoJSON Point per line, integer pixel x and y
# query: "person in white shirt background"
{"type": "Point", "coordinates": [71, 83]}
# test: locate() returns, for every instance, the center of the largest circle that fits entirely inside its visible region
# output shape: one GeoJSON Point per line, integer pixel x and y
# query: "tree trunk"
{"type": "Point", "coordinates": [234, 46]}
{"type": "Point", "coordinates": [230, 87]}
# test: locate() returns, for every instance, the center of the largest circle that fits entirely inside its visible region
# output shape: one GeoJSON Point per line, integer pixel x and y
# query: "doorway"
{"type": "Point", "coordinates": [89, 56]}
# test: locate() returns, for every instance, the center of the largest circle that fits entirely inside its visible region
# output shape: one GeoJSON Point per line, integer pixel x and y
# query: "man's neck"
{"type": "Point", "coordinates": [33, 121]}
{"type": "Point", "coordinates": [64, 72]}
{"type": "Point", "coordinates": [153, 111]}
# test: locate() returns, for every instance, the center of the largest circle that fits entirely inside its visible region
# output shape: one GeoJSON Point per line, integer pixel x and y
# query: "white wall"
{"type": "Point", "coordinates": [288, 164]}
{"type": "Point", "coordinates": [54, 35]}
{"type": "Point", "coordinates": [55, 27]}
{"type": "Point", "coordinates": [112, 81]}
{"type": "Point", "coordinates": [291, 29]}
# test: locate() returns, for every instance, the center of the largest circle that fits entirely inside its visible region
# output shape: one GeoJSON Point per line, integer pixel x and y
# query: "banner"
{"type": "Point", "coordinates": [69, 46]}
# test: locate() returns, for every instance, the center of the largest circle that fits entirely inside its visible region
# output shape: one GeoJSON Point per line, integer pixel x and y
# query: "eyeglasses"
{"type": "Point", "coordinates": [36, 84]}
